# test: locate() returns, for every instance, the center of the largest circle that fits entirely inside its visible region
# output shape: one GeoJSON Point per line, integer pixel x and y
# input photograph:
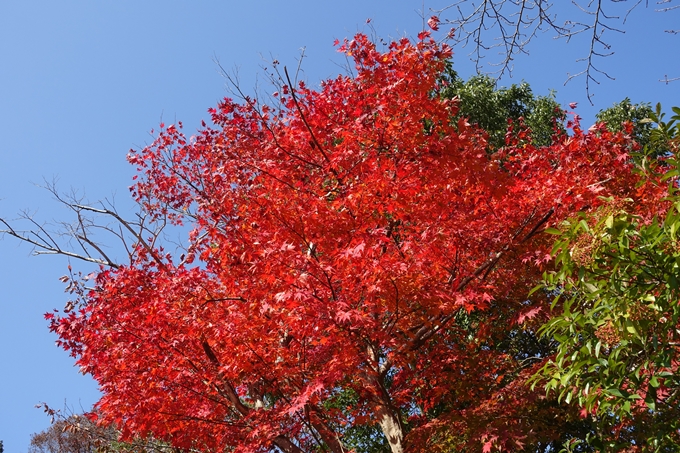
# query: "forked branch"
{"type": "Point", "coordinates": [77, 239]}
{"type": "Point", "coordinates": [508, 26]}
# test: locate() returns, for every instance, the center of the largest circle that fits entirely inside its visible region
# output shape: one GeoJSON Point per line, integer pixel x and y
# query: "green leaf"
{"type": "Point", "coordinates": [617, 392]}
{"type": "Point", "coordinates": [650, 400]}
{"type": "Point", "coordinates": [609, 223]}
{"type": "Point", "coordinates": [670, 174]}
{"type": "Point", "coordinates": [626, 407]}
{"type": "Point", "coordinates": [654, 382]}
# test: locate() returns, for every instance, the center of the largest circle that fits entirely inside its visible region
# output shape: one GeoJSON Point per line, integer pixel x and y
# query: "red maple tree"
{"type": "Point", "coordinates": [348, 244]}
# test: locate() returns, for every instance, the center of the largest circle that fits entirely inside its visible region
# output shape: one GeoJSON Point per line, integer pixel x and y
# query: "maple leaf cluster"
{"type": "Point", "coordinates": [346, 239]}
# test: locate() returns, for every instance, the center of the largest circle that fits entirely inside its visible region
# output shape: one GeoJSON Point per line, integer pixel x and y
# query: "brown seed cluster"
{"type": "Point", "coordinates": [587, 243]}
{"type": "Point", "coordinates": [608, 334]}
{"type": "Point", "coordinates": [584, 248]}
{"type": "Point", "coordinates": [639, 311]}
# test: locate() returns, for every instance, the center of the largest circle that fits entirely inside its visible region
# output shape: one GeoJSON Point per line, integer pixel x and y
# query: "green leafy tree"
{"type": "Point", "coordinates": [618, 331]}
{"type": "Point", "coordinates": [617, 328]}
{"type": "Point", "coordinates": [664, 139]}
{"type": "Point", "coordinates": [495, 109]}
{"type": "Point", "coordinates": [625, 111]}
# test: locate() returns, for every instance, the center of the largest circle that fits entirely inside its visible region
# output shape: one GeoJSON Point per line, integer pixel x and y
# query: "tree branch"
{"type": "Point", "coordinates": [510, 26]}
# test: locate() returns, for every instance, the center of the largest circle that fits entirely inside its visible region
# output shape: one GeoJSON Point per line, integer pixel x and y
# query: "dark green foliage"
{"type": "Point", "coordinates": [638, 114]}
{"type": "Point", "coordinates": [658, 139]}
{"type": "Point", "coordinates": [493, 109]}
{"type": "Point", "coordinates": [358, 437]}
{"type": "Point", "coordinates": [664, 137]}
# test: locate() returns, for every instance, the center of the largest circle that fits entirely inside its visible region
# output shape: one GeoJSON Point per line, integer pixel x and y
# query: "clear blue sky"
{"type": "Point", "coordinates": [82, 82]}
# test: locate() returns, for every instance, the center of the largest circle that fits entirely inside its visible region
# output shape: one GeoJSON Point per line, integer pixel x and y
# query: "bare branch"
{"type": "Point", "coordinates": [302, 115]}
{"type": "Point", "coordinates": [598, 27]}
{"type": "Point", "coordinates": [129, 226]}
{"type": "Point", "coordinates": [666, 8]}
{"type": "Point", "coordinates": [517, 23]}
{"type": "Point", "coordinates": [666, 80]}
{"type": "Point", "coordinates": [508, 26]}
{"type": "Point", "coordinates": [77, 239]}
{"type": "Point", "coordinates": [43, 247]}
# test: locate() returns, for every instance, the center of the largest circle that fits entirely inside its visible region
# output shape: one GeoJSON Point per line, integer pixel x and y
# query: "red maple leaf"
{"type": "Point", "coordinates": [433, 23]}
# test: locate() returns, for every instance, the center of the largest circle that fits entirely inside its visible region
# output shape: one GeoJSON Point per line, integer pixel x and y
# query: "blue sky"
{"type": "Point", "coordinates": [82, 82]}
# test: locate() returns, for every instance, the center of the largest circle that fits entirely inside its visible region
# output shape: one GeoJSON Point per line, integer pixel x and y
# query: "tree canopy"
{"type": "Point", "coordinates": [72, 434]}
{"type": "Point", "coordinates": [494, 109]}
{"type": "Point", "coordinates": [357, 261]}
{"type": "Point", "coordinates": [80, 433]}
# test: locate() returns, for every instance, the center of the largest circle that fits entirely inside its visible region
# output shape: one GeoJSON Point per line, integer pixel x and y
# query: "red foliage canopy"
{"type": "Point", "coordinates": [339, 240]}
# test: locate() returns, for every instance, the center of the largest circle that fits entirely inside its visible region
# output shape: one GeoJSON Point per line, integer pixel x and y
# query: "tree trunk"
{"type": "Point", "coordinates": [388, 417]}
{"type": "Point", "coordinates": [286, 445]}
{"type": "Point", "coordinates": [391, 427]}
